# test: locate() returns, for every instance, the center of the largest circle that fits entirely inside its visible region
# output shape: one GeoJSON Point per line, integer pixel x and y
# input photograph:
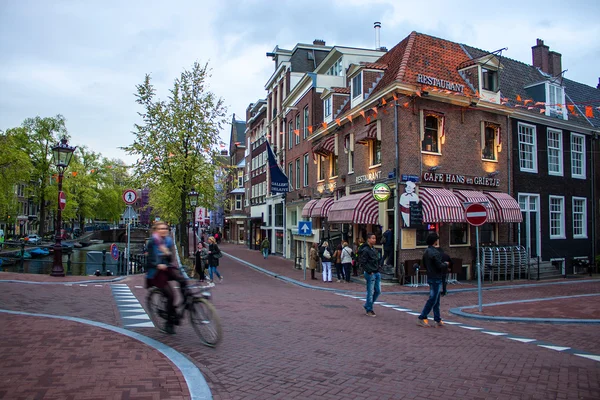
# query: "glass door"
{"type": "Point", "coordinates": [531, 227]}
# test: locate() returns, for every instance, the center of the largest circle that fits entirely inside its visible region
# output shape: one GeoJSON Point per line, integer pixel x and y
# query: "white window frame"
{"type": "Point", "coordinates": [298, 177]}
{"type": "Point", "coordinates": [306, 162]}
{"type": "Point", "coordinates": [496, 129]}
{"type": "Point", "coordinates": [320, 163]}
{"type": "Point", "coordinates": [561, 217]}
{"type": "Point", "coordinates": [552, 108]}
{"type": "Point", "coordinates": [555, 148]}
{"type": "Point", "coordinates": [584, 231]}
{"type": "Point", "coordinates": [290, 134]}
{"type": "Point", "coordinates": [291, 174]}
{"type": "Point", "coordinates": [440, 127]}
{"type": "Point", "coordinates": [333, 165]}
{"type": "Point", "coordinates": [327, 103]}
{"type": "Point", "coordinates": [238, 201]}
{"type": "Point", "coordinates": [372, 144]}
{"type": "Point", "coordinates": [240, 178]}
{"type": "Point", "coordinates": [306, 115]}
{"type": "Point", "coordinates": [574, 152]}
{"type": "Point", "coordinates": [532, 144]}
{"type": "Point", "coordinates": [359, 90]}
{"type": "Point", "coordinates": [297, 128]}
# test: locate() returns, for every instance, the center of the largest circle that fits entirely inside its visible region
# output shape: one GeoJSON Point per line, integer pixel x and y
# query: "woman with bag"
{"type": "Point", "coordinates": [201, 259]}
{"type": "Point", "coordinates": [347, 258]}
{"type": "Point", "coordinates": [326, 256]}
{"type": "Point", "coordinates": [214, 253]}
{"type": "Point", "coordinates": [313, 260]}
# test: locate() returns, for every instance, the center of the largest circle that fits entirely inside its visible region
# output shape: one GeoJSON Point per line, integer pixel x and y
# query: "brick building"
{"type": "Point", "coordinates": [235, 215]}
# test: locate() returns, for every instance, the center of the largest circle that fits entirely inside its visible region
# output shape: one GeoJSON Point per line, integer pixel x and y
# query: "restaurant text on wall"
{"type": "Point", "coordinates": [441, 83]}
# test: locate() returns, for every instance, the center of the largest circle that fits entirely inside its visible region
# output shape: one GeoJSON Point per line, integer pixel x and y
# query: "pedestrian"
{"type": "Point", "coordinates": [445, 258]}
{"type": "Point", "coordinates": [337, 259]}
{"type": "Point", "coordinates": [217, 237]}
{"type": "Point", "coordinates": [201, 259]}
{"type": "Point", "coordinates": [387, 240]}
{"type": "Point", "coordinates": [2, 242]}
{"type": "Point", "coordinates": [214, 253]}
{"type": "Point", "coordinates": [369, 261]}
{"type": "Point", "coordinates": [326, 257]}
{"type": "Point", "coordinates": [265, 246]}
{"type": "Point", "coordinates": [313, 260]}
{"type": "Point", "coordinates": [347, 258]}
{"type": "Point", "coordinates": [162, 269]}
{"type": "Point", "coordinates": [432, 260]}
{"type": "Point", "coordinates": [359, 245]}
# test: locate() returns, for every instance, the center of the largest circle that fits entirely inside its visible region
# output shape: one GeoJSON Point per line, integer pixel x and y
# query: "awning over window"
{"type": "Point", "coordinates": [239, 190]}
{"type": "Point", "coordinates": [472, 196]}
{"type": "Point", "coordinates": [321, 209]}
{"type": "Point", "coordinates": [441, 205]}
{"type": "Point", "coordinates": [325, 146]}
{"type": "Point", "coordinates": [369, 132]}
{"type": "Point", "coordinates": [507, 208]}
{"type": "Point", "coordinates": [308, 207]}
{"type": "Point", "coordinates": [359, 208]}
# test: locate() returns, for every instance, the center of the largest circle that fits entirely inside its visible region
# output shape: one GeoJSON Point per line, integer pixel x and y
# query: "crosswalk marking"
{"type": "Point", "coordinates": [132, 313]}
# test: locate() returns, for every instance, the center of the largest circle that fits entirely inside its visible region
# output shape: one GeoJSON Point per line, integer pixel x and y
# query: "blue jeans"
{"type": "Point", "coordinates": [373, 289]}
{"type": "Point", "coordinates": [213, 270]}
{"type": "Point", "coordinates": [265, 252]}
{"type": "Point", "coordinates": [435, 286]}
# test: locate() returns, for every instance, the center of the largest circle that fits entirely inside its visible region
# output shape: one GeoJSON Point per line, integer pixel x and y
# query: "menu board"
{"type": "Point", "coordinates": [416, 214]}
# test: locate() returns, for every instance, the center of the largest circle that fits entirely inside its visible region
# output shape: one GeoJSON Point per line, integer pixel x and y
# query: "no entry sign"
{"type": "Point", "coordinates": [62, 200]}
{"type": "Point", "coordinates": [476, 214]}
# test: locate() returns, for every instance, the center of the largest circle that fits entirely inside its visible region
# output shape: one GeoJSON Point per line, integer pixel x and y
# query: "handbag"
{"type": "Point", "coordinates": [218, 255]}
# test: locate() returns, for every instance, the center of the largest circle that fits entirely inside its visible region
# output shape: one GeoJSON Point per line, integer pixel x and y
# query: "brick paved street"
{"type": "Point", "coordinates": [286, 341]}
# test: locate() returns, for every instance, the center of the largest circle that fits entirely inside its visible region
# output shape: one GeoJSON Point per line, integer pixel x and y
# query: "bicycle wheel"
{"type": "Point", "coordinates": [205, 321]}
{"type": "Point", "coordinates": [157, 308]}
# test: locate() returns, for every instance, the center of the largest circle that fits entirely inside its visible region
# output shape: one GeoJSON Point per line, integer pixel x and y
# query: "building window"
{"type": "Point", "coordinates": [357, 85]}
{"type": "Point", "coordinates": [423, 231]}
{"type": "Point", "coordinates": [305, 132]}
{"type": "Point", "coordinates": [489, 80]}
{"type": "Point", "coordinates": [555, 152]}
{"type": "Point", "coordinates": [580, 218]}
{"type": "Point", "coordinates": [322, 165]}
{"type": "Point", "coordinates": [334, 165]}
{"type": "Point", "coordinates": [489, 142]}
{"type": "Point", "coordinates": [577, 156]}
{"type": "Point", "coordinates": [298, 176]}
{"type": "Point", "coordinates": [487, 233]}
{"type": "Point", "coordinates": [240, 178]}
{"type": "Point", "coordinates": [290, 134]}
{"type": "Point", "coordinates": [294, 215]}
{"type": "Point", "coordinates": [306, 169]}
{"type": "Point", "coordinates": [527, 148]}
{"type": "Point", "coordinates": [297, 132]}
{"type": "Point", "coordinates": [238, 201]}
{"type": "Point", "coordinates": [327, 107]}
{"type": "Point", "coordinates": [291, 175]}
{"type": "Point", "coordinates": [336, 69]}
{"type": "Point", "coordinates": [557, 217]}
{"type": "Point", "coordinates": [279, 214]}
{"type": "Point", "coordinates": [555, 101]}
{"type": "Point", "coordinates": [459, 234]}
{"type": "Point", "coordinates": [431, 138]}
{"type": "Point", "coordinates": [375, 150]}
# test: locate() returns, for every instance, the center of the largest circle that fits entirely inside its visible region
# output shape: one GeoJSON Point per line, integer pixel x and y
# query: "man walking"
{"type": "Point", "coordinates": [432, 260]}
{"type": "Point", "coordinates": [369, 261]}
{"type": "Point", "coordinates": [388, 247]}
{"type": "Point", "coordinates": [265, 246]}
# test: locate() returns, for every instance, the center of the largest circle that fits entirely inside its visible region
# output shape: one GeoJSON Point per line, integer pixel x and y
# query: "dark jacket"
{"type": "Point", "coordinates": [212, 260]}
{"type": "Point", "coordinates": [389, 239]}
{"type": "Point", "coordinates": [368, 259]}
{"type": "Point", "coordinates": [432, 260]}
{"type": "Point", "coordinates": [323, 258]}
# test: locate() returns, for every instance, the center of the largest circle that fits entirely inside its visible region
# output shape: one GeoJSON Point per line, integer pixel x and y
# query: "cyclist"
{"type": "Point", "coordinates": [162, 269]}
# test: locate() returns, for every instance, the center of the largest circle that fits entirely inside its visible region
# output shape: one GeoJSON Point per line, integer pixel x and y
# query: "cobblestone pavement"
{"type": "Point", "coordinates": [285, 341]}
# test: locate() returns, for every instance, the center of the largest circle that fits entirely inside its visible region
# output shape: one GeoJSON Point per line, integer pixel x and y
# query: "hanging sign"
{"type": "Point", "coordinates": [381, 192]}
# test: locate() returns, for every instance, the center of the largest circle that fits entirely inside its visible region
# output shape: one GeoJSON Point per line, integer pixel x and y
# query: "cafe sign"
{"type": "Point", "coordinates": [460, 179]}
{"type": "Point", "coordinates": [441, 83]}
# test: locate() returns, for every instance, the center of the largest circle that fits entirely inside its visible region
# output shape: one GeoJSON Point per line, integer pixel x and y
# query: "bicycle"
{"type": "Point", "coordinates": [203, 315]}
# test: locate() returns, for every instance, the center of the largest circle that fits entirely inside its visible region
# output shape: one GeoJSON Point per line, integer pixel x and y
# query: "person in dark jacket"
{"type": "Point", "coordinates": [388, 247]}
{"type": "Point", "coordinates": [445, 258]}
{"type": "Point", "coordinates": [214, 253]}
{"type": "Point", "coordinates": [326, 255]}
{"type": "Point", "coordinates": [432, 260]}
{"type": "Point", "coordinates": [201, 260]}
{"type": "Point", "coordinates": [369, 261]}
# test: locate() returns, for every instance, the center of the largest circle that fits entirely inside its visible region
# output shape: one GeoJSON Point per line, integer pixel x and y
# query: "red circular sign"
{"type": "Point", "coordinates": [62, 200]}
{"type": "Point", "coordinates": [476, 214]}
{"type": "Point", "coordinates": [129, 196]}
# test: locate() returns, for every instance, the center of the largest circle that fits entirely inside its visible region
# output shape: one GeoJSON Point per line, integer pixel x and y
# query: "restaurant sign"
{"type": "Point", "coordinates": [441, 83]}
{"type": "Point", "coordinates": [460, 179]}
{"type": "Point", "coordinates": [373, 176]}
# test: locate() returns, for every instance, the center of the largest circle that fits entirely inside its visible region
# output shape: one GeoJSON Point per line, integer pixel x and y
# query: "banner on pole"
{"type": "Point", "coordinates": [279, 181]}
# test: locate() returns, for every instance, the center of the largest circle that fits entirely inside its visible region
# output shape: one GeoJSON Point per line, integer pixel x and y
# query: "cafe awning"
{"type": "Point", "coordinates": [308, 207]}
{"type": "Point", "coordinates": [359, 208]}
{"type": "Point", "coordinates": [369, 132]}
{"type": "Point", "coordinates": [507, 208]}
{"type": "Point", "coordinates": [441, 205]}
{"type": "Point", "coordinates": [321, 209]}
{"type": "Point", "coordinates": [472, 196]}
{"type": "Point", "coordinates": [325, 146]}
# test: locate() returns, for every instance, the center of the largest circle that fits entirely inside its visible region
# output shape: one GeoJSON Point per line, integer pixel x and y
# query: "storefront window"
{"type": "Point", "coordinates": [487, 234]}
{"type": "Point", "coordinates": [279, 241]}
{"type": "Point", "coordinates": [459, 234]}
{"type": "Point", "coordinates": [423, 232]}
{"type": "Point", "coordinates": [278, 214]}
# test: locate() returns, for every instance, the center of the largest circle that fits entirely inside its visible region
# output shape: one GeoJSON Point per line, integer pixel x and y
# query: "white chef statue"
{"type": "Point", "coordinates": [406, 198]}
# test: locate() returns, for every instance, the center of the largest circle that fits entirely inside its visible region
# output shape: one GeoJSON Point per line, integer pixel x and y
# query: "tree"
{"type": "Point", "coordinates": [176, 144]}
{"type": "Point", "coordinates": [15, 167]}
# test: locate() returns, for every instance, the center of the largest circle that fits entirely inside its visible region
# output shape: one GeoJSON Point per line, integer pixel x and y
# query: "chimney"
{"type": "Point", "coordinates": [377, 26]}
{"type": "Point", "coordinates": [319, 42]}
{"type": "Point", "coordinates": [554, 63]}
{"type": "Point", "coordinates": [547, 61]}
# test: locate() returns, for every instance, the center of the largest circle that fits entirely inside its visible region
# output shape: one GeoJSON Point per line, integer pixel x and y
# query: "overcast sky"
{"type": "Point", "coordinates": [83, 59]}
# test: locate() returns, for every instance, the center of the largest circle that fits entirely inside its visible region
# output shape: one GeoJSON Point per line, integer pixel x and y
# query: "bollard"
{"type": "Point", "coordinates": [103, 261]}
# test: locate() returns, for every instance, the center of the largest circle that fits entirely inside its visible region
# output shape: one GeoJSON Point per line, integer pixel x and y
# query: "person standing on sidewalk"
{"type": "Point", "coordinates": [388, 247]}
{"type": "Point", "coordinates": [325, 254]}
{"type": "Point", "coordinates": [432, 260]}
{"type": "Point", "coordinates": [369, 261]}
{"type": "Point", "coordinates": [265, 246]}
{"type": "Point", "coordinates": [347, 256]}
{"type": "Point", "coordinates": [337, 258]}
{"type": "Point", "coordinates": [214, 253]}
{"type": "Point", "coordinates": [313, 260]}
{"type": "Point", "coordinates": [360, 244]}
{"type": "Point", "coordinates": [201, 258]}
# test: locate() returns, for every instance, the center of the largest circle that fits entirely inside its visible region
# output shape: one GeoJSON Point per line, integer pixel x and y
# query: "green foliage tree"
{"type": "Point", "coordinates": [15, 167]}
{"type": "Point", "coordinates": [176, 144]}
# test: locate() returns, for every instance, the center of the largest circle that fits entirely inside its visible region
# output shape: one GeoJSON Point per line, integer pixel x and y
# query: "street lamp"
{"type": "Point", "coordinates": [61, 156]}
{"type": "Point", "coordinates": [193, 196]}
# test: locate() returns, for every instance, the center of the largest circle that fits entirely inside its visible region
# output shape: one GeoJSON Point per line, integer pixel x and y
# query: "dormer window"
{"type": "Point", "coordinates": [555, 100]}
{"type": "Point", "coordinates": [336, 69]}
{"type": "Point", "coordinates": [489, 79]}
{"type": "Point", "coordinates": [357, 85]}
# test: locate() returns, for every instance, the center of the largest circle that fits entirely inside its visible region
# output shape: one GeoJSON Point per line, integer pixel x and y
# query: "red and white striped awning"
{"type": "Point", "coordinates": [307, 209]}
{"type": "Point", "coordinates": [325, 146]}
{"type": "Point", "coordinates": [507, 208]}
{"type": "Point", "coordinates": [472, 196]}
{"type": "Point", "coordinates": [441, 205]}
{"type": "Point", "coordinates": [369, 132]}
{"type": "Point", "coordinates": [322, 207]}
{"type": "Point", "coordinates": [359, 208]}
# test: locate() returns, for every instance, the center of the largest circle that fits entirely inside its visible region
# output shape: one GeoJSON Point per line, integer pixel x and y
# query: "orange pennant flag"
{"type": "Point", "coordinates": [385, 111]}
{"type": "Point", "coordinates": [350, 118]}
{"type": "Point", "coordinates": [338, 121]}
{"type": "Point", "coordinates": [368, 120]}
{"type": "Point", "coordinates": [571, 108]}
{"type": "Point", "coordinates": [505, 99]}
{"type": "Point", "coordinates": [310, 129]}
{"type": "Point", "coordinates": [374, 110]}
{"type": "Point", "coordinates": [324, 124]}
{"type": "Point", "coordinates": [405, 105]}
{"type": "Point", "coordinates": [362, 113]}
{"type": "Point", "coordinates": [395, 97]}
{"type": "Point", "coordinates": [297, 132]}
{"type": "Point", "coordinates": [540, 103]}
{"type": "Point", "coordinates": [528, 101]}
{"type": "Point", "coordinates": [589, 112]}
{"type": "Point", "coordinates": [519, 98]}
{"type": "Point", "coordinates": [383, 102]}
{"type": "Point", "coordinates": [418, 93]}
{"type": "Point", "coordinates": [542, 110]}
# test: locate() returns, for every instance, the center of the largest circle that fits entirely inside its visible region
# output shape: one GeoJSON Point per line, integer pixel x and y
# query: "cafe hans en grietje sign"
{"type": "Point", "coordinates": [441, 83]}
{"type": "Point", "coordinates": [461, 179]}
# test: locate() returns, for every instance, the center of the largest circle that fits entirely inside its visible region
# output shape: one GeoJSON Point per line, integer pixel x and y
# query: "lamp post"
{"type": "Point", "coordinates": [61, 155]}
{"type": "Point", "coordinates": [193, 196]}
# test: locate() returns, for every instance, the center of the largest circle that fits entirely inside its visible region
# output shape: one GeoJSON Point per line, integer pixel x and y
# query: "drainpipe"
{"type": "Point", "coordinates": [397, 197]}
{"type": "Point", "coordinates": [593, 152]}
{"type": "Point", "coordinates": [508, 173]}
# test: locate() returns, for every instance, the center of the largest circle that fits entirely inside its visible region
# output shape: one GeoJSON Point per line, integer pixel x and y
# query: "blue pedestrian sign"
{"type": "Point", "coordinates": [305, 228]}
{"type": "Point", "coordinates": [114, 251]}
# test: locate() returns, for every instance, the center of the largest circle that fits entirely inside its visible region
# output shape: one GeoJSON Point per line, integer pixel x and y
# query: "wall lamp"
{"type": "Point", "coordinates": [493, 174]}
{"type": "Point", "coordinates": [434, 168]}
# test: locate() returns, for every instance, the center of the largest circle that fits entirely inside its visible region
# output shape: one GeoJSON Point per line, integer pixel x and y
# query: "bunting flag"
{"type": "Point", "coordinates": [519, 98]}
{"type": "Point", "coordinates": [418, 93]}
{"type": "Point", "coordinates": [368, 120]}
{"type": "Point", "coordinates": [374, 110]}
{"type": "Point", "coordinates": [297, 132]}
{"type": "Point", "coordinates": [539, 103]}
{"type": "Point", "coordinates": [542, 110]}
{"type": "Point", "coordinates": [405, 104]}
{"type": "Point", "coordinates": [350, 118]}
{"type": "Point", "coordinates": [338, 121]}
{"type": "Point", "coordinates": [383, 102]}
{"type": "Point", "coordinates": [477, 93]}
{"type": "Point", "coordinates": [310, 129]}
{"type": "Point", "coordinates": [362, 113]}
{"type": "Point", "coordinates": [324, 124]}
{"type": "Point", "coordinates": [279, 182]}
{"type": "Point", "coordinates": [571, 108]}
{"type": "Point", "coordinates": [527, 101]}
{"type": "Point", "coordinates": [395, 97]}
{"type": "Point", "coordinates": [589, 112]}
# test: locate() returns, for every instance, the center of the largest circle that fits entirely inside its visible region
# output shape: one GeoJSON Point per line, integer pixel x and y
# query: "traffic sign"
{"type": "Point", "coordinates": [129, 196]}
{"type": "Point", "coordinates": [62, 200]}
{"type": "Point", "coordinates": [305, 228]}
{"type": "Point", "coordinates": [114, 251]}
{"type": "Point", "coordinates": [476, 214]}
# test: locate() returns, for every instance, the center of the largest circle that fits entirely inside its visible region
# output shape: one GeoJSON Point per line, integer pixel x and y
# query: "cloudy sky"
{"type": "Point", "coordinates": [83, 59]}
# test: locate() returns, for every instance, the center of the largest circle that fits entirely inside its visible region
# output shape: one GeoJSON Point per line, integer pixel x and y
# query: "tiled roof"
{"type": "Point", "coordinates": [371, 65]}
{"type": "Point", "coordinates": [584, 95]}
{"type": "Point", "coordinates": [343, 90]}
{"type": "Point", "coordinates": [240, 131]}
